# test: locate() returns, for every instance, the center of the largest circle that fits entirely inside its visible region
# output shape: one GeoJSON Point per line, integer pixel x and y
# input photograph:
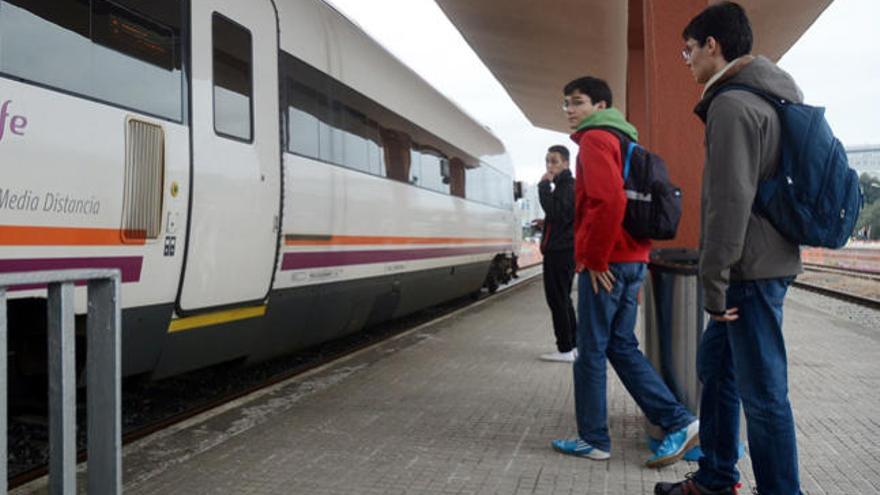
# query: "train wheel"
{"type": "Point", "coordinates": [492, 285]}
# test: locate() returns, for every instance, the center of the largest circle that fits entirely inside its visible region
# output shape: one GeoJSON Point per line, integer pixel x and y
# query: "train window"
{"type": "Point", "coordinates": [432, 171]}
{"type": "Point", "coordinates": [233, 82]}
{"type": "Point", "coordinates": [331, 137]}
{"type": "Point", "coordinates": [415, 166]}
{"type": "Point", "coordinates": [489, 186]}
{"type": "Point", "coordinates": [331, 122]}
{"type": "Point", "coordinates": [498, 189]}
{"type": "Point", "coordinates": [328, 129]}
{"type": "Point", "coordinates": [125, 52]}
{"type": "Point", "coordinates": [361, 138]}
{"type": "Point", "coordinates": [501, 189]}
{"type": "Point", "coordinates": [474, 184]}
{"type": "Point", "coordinates": [128, 32]}
{"type": "Point", "coordinates": [306, 108]}
{"type": "Point", "coordinates": [505, 191]}
{"type": "Point", "coordinates": [302, 131]}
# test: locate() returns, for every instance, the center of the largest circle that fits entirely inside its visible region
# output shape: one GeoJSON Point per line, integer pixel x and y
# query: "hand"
{"type": "Point", "coordinates": [605, 279]}
{"type": "Point", "coordinates": [729, 315]}
{"type": "Point", "coordinates": [547, 176]}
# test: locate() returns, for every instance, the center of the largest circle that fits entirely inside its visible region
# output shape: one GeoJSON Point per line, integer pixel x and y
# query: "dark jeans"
{"type": "Point", "coordinates": [558, 277]}
{"type": "Point", "coordinates": [605, 330]}
{"type": "Point", "coordinates": [745, 360]}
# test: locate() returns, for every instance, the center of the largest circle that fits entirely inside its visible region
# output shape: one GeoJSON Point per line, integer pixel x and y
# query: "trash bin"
{"type": "Point", "coordinates": [673, 324]}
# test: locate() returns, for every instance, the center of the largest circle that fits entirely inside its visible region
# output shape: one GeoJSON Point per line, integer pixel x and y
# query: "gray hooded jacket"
{"type": "Point", "coordinates": [742, 147]}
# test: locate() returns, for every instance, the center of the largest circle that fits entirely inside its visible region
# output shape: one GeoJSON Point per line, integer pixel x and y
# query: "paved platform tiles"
{"type": "Point", "coordinates": [464, 406]}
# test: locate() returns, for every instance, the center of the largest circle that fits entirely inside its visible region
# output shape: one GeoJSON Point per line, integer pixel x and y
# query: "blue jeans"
{"type": "Point", "coordinates": [745, 360]}
{"type": "Point", "coordinates": [605, 330]}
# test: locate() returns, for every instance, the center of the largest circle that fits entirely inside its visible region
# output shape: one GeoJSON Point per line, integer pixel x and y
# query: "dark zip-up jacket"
{"type": "Point", "coordinates": [558, 206]}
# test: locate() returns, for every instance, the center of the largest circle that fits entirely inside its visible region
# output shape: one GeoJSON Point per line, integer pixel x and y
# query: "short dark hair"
{"type": "Point", "coordinates": [728, 24]}
{"type": "Point", "coordinates": [595, 88]}
{"type": "Point", "coordinates": [558, 148]}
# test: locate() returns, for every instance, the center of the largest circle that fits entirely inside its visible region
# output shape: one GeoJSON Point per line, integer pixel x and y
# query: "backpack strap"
{"type": "Point", "coordinates": [766, 187]}
{"type": "Point", "coordinates": [627, 146]}
{"type": "Point", "coordinates": [775, 101]}
{"type": "Point", "coordinates": [627, 161]}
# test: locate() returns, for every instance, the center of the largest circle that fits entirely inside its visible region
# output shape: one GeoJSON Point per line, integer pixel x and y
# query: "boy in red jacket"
{"type": "Point", "coordinates": [611, 265]}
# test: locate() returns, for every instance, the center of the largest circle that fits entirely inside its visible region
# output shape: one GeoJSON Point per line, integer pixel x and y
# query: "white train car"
{"type": "Point", "coordinates": [264, 175]}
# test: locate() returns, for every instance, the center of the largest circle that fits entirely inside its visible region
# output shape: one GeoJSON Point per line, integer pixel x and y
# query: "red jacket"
{"type": "Point", "coordinates": [599, 236]}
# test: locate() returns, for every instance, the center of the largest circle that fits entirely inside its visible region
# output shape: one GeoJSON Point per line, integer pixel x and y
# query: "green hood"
{"type": "Point", "coordinates": [610, 117]}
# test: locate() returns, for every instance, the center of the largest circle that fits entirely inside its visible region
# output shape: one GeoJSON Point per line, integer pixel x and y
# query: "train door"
{"type": "Point", "coordinates": [236, 165]}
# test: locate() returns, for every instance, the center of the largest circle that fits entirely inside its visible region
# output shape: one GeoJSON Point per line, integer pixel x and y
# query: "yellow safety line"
{"type": "Point", "coordinates": [205, 320]}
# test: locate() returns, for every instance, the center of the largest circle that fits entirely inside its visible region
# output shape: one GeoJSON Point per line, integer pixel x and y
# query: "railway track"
{"type": "Point", "coordinates": [837, 275]}
{"type": "Point", "coordinates": [337, 350]}
{"type": "Point", "coordinates": [839, 294]}
{"type": "Point", "coordinates": [842, 270]}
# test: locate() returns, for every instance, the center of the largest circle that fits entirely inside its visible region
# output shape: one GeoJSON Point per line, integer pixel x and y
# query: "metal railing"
{"type": "Point", "coordinates": [103, 378]}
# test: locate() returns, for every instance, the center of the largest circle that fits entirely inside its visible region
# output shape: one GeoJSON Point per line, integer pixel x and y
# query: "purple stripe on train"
{"type": "Point", "coordinates": [129, 266]}
{"type": "Point", "coordinates": [300, 260]}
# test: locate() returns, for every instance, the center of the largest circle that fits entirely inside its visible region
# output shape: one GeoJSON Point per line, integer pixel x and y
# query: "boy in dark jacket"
{"type": "Point", "coordinates": [611, 265]}
{"type": "Point", "coordinates": [557, 246]}
{"type": "Point", "coordinates": [746, 266]}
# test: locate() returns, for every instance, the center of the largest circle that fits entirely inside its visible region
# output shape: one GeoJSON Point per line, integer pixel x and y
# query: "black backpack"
{"type": "Point", "coordinates": [653, 203]}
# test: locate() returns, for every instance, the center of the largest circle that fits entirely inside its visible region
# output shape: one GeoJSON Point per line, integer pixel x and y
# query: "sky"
{"type": "Point", "coordinates": [835, 63]}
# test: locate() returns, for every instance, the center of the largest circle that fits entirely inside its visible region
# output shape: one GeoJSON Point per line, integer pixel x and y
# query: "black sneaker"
{"type": "Point", "coordinates": [690, 487]}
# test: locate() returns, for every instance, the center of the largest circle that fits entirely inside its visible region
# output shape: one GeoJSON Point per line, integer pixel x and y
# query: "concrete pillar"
{"type": "Point", "coordinates": [662, 95]}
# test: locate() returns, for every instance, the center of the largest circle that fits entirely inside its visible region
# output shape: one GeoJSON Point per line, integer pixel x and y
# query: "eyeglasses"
{"type": "Point", "coordinates": [566, 104]}
{"type": "Point", "coordinates": [688, 52]}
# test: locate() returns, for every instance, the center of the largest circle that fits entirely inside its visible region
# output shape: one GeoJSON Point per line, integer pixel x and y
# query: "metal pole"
{"type": "Point", "coordinates": [104, 328]}
{"type": "Point", "coordinates": [3, 393]}
{"type": "Point", "coordinates": [62, 389]}
{"type": "Point", "coordinates": [104, 383]}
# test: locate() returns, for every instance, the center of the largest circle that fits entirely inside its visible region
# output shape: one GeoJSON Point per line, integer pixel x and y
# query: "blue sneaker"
{"type": "Point", "coordinates": [579, 448]}
{"type": "Point", "coordinates": [675, 445]}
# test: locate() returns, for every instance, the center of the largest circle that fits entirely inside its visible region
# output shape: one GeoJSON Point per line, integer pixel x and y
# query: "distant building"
{"type": "Point", "coordinates": [865, 159]}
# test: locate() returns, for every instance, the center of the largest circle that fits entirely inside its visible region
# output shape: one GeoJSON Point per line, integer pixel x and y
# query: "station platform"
{"type": "Point", "coordinates": [463, 406]}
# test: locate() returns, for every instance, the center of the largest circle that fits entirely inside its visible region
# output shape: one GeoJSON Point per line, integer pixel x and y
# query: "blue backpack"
{"type": "Point", "coordinates": [813, 198]}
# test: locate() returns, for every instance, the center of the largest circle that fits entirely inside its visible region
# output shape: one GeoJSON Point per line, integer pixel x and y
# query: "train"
{"type": "Point", "coordinates": [264, 174]}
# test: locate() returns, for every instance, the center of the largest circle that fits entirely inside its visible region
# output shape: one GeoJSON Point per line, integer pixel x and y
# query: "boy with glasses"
{"type": "Point", "coordinates": [746, 266]}
{"type": "Point", "coordinates": [611, 267]}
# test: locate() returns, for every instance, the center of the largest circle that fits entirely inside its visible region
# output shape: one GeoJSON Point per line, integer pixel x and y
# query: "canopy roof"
{"type": "Point", "coordinates": [532, 49]}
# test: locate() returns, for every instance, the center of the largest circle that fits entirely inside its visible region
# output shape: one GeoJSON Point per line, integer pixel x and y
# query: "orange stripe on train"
{"type": "Point", "coordinates": [18, 235]}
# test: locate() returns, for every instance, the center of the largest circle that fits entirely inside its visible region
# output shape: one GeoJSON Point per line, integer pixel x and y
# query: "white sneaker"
{"type": "Point", "coordinates": [560, 357]}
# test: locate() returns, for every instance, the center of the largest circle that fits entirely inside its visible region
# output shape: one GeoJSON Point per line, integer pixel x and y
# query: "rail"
{"type": "Point", "coordinates": [103, 377]}
{"type": "Point", "coordinates": [842, 295]}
